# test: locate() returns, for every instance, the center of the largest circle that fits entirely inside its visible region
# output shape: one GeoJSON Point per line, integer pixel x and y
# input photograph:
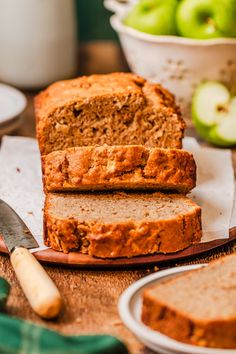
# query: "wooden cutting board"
{"type": "Point", "coordinates": [79, 260]}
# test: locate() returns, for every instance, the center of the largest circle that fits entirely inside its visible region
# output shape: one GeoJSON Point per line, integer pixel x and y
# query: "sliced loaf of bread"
{"type": "Point", "coordinates": [111, 225]}
{"type": "Point", "coordinates": [119, 167]}
{"type": "Point", "coordinates": [198, 307]}
{"type": "Point", "coordinates": [116, 109]}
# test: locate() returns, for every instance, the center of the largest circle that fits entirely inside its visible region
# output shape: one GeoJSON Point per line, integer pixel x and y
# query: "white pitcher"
{"type": "Point", "coordinates": [37, 41]}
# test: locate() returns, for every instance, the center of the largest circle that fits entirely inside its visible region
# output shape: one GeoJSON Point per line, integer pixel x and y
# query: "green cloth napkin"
{"type": "Point", "coordinates": [4, 292]}
{"type": "Point", "coordinates": [22, 337]}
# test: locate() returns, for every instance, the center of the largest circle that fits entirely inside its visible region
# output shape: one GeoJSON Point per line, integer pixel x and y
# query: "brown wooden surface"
{"type": "Point", "coordinates": [90, 296]}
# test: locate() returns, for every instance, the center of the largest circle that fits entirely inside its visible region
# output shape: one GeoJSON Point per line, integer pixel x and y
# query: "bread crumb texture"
{"type": "Point", "coordinates": [111, 225]}
{"type": "Point", "coordinates": [113, 109]}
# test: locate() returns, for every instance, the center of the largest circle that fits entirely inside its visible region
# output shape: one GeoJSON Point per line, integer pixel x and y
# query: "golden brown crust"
{"type": "Point", "coordinates": [117, 167]}
{"type": "Point", "coordinates": [64, 92]}
{"type": "Point", "coordinates": [216, 334]}
{"type": "Point", "coordinates": [117, 109]}
{"type": "Point", "coordinates": [122, 239]}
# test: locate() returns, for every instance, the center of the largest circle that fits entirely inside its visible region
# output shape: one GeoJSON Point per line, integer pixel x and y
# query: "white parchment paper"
{"type": "Point", "coordinates": [21, 182]}
{"type": "Point", "coordinates": [21, 185]}
{"type": "Point", "coordinates": [215, 188]}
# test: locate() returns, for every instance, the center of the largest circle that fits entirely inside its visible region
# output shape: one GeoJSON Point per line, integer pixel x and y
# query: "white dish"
{"type": "Point", "coordinates": [12, 104]}
{"type": "Point", "coordinates": [130, 310]}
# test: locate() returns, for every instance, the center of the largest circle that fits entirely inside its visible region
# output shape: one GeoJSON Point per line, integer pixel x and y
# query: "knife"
{"type": "Point", "coordinates": [38, 287]}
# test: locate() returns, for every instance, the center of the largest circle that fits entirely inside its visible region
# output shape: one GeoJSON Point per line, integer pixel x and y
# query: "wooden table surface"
{"type": "Point", "coordinates": [90, 297]}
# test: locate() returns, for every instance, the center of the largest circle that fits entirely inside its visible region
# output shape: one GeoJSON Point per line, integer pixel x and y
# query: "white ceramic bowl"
{"type": "Point", "coordinates": [176, 62]}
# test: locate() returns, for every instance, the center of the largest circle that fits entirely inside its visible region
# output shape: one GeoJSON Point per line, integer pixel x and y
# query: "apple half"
{"type": "Point", "coordinates": [214, 113]}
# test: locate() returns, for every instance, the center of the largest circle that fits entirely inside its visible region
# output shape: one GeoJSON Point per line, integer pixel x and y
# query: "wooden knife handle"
{"type": "Point", "coordinates": [38, 287]}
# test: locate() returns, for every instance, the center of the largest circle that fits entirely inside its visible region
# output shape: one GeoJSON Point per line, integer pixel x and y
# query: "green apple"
{"type": "Point", "coordinates": [214, 113]}
{"type": "Point", "coordinates": [153, 16]}
{"type": "Point", "coordinates": [226, 17]}
{"type": "Point", "coordinates": [205, 19]}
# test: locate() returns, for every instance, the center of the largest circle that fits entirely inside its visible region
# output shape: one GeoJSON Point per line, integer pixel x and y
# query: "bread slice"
{"type": "Point", "coordinates": [198, 307]}
{"type": "Point", "coordinates": [116, 109]}
{"type": "Point", "coordinates": [111, 225]}
{"type": "Point", "coordinates": [117, 167]}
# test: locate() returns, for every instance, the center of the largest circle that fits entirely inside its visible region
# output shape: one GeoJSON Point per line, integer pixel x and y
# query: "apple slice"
{"type": "Point", "coordinates": [214, 113]}
{"type": "Point", "coordinates": [208, 102]}
{"type": "Point", "coordinates": [226, 130]}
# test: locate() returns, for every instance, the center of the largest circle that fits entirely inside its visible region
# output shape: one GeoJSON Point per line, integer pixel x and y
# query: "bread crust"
{"type": "Point", "coordinates": [117, 109]}
{"type": "Point", "coordinates": [215, 334]}
{"type": "Point", "coordinates": [119, 167]}
{"type": "Point", "coordinates": [122, 239]}
{"type": "Point", "coordinates": [160, 316]}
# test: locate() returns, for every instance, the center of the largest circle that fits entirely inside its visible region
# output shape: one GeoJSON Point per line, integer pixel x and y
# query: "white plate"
{"type": "Point", "coordinates": [12, 104]}
{"type": "Point", "coordinates": [130, 304]}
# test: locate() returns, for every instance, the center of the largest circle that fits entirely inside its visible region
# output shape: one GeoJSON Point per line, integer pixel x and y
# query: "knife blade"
{"type": "Point", "coordinates": [38, 287]}
{"type": "Point", "coordinates": [12, 225]}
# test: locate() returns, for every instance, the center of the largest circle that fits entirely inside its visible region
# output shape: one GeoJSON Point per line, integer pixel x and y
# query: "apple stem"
{"type": "Point", "coordinates": [211, 22]}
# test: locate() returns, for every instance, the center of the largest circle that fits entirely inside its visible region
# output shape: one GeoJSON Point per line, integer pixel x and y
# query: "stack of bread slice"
{"type": "Point", "coordinates": [114, 172]}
